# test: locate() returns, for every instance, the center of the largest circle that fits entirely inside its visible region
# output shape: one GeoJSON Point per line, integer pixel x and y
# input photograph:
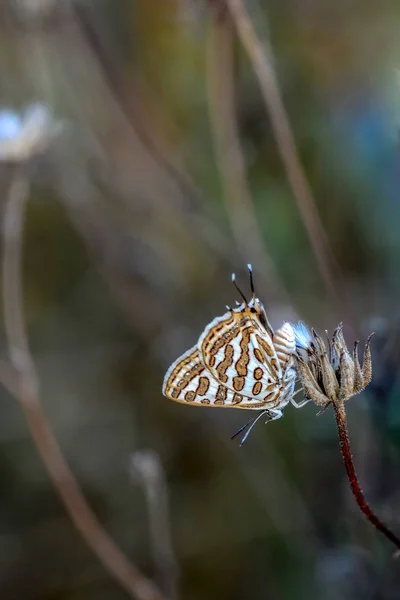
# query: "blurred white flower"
{"type": "Point", "coordinates": [24, 136]}
{"type": "Point", "coordinates": [147, 465]}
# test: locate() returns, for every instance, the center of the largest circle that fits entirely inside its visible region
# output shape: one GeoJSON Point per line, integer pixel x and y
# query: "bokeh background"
{"type": "Point", "coordinates": [165, 178]}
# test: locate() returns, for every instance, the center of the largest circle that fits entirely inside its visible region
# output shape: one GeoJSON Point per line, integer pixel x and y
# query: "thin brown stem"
{"type": "Point", "coordinates": [24, 385]}
{"type": "Point", "coordinates": [341, 421]}
{"type": "Point", "coordinates": [229, 155]}
{"type": "Point", "coordinates": [262, 60]}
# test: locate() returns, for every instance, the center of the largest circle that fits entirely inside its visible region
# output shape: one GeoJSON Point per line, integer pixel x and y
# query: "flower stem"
{"type": "Point", "coordinates": [341, 421]}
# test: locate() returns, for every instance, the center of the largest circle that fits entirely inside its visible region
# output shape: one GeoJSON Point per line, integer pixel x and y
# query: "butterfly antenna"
{"type": "Point", "coordinates": [246, 435]}
{"type": "Point", "coordinates": [237, 287]}
{"type": "Point", "coordinates": [250, 269]}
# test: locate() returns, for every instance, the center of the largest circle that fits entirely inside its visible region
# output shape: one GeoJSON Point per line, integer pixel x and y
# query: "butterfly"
{"type": "Point", "coordinates": [238, 362]}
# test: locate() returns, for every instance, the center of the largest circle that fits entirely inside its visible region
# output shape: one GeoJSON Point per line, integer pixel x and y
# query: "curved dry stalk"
{"type": "Point", "coordinates": [130, 110]}
{"type": "Point", "coordinates": [24, 385]}
{"type": "Point", "coordinates": [186, 207]}
{"type": "Point", "coordinates": [230, 160]}
{"type": "Point", "coordinates": [341, 421]}
{"type": "Point", "coordinates": [148, 470]}
{"type": "Point", "coordinates": [262, 61]}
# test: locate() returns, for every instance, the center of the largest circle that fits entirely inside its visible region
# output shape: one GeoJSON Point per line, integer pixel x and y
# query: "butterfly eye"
{"type": "Point", "coordinates": [252, 309]}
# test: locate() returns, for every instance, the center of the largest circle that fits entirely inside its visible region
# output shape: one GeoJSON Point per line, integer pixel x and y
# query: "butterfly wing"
{"type": "Point", "coordinates": [239, 353]}
{"type": "Point", "coordinates": [188, 380]}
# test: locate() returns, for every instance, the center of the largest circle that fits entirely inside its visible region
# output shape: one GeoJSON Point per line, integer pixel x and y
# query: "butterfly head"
{"type": "Point", "coordinates": [256, 307]}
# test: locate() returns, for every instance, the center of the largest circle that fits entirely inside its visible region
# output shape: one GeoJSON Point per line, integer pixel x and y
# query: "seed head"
{"type": "Point", "coordinates": [328, 372]}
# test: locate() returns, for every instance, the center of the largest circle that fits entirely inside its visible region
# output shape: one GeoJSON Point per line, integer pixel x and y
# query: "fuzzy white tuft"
{"type": "Point", "coordinates": [302, 335]}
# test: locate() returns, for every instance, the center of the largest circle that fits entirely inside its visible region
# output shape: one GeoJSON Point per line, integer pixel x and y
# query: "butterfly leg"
{"type": "Point", "coordinates": [300, 404]}
{"type": "Point", "coordinates": [257, 418]}
{"type": "Point", "coordinates": [272, 413]}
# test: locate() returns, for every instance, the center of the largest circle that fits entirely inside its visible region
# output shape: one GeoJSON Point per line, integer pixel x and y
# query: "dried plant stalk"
{"type": "Point", "coordinates": [229, 155]}
{"type": "Point", "coordinates": [148, 470]}
{"type": "Point", "coordinates": [262, 61]}
{"type": "Point", "coordinates": [332, 376]}
{"type": "Point", "coordinates": [23, 383]}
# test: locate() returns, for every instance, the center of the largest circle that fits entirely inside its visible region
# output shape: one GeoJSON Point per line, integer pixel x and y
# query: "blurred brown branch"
{"type": "Point", "coordinates": [131, 107]}
{"type": "Point", "coordinates": [261, 58]}
{"type": "Point", "coordinates": [25, 387]}
{"type": "Point", "coordinates": [171, 193]}
{"type": "Point", "coordinates": [230, 160]}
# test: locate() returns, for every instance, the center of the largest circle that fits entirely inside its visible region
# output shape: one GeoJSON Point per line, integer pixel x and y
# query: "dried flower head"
{"type": "Point", "coordinates": [330, 373]}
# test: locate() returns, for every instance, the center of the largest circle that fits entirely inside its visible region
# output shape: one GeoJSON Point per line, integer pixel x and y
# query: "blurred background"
{"type": "Point", "coordinates": [165, 176]}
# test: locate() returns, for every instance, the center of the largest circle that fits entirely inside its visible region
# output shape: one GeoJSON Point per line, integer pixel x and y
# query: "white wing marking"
{"type": "Point", "coordinates": [240, 354]}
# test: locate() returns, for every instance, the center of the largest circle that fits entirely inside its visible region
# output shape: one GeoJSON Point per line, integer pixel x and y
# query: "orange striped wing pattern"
{"type": "Point", "coordinates": [238, 362]}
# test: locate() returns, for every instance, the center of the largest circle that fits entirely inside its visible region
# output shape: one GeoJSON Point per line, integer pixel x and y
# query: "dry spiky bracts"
{"type": "Point", "coordinates": [329, 373]}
